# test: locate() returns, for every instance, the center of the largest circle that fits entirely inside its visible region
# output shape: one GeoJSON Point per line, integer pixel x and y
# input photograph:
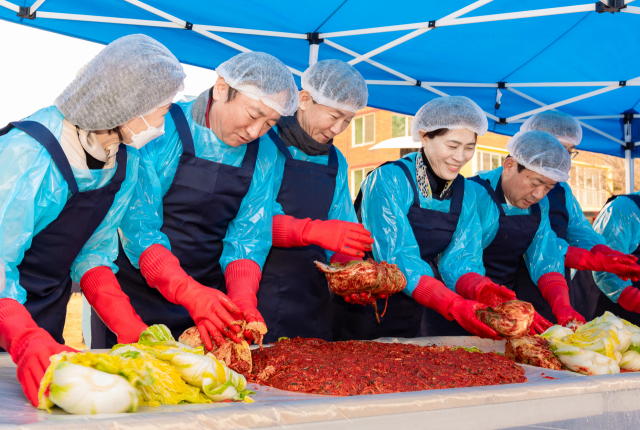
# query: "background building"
{"type": "Point", "coordinates": [594, 177]}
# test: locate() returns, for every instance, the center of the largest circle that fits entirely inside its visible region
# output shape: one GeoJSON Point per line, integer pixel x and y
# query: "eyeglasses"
{"type": "Point", "coordinates": [573, 154]}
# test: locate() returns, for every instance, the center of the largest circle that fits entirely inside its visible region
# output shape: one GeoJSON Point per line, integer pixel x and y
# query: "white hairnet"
{"type": "Point", "coordinates": [336, 84]}
{"type": "Point", "coordinates": [453, 112]}
{"type": "Point", "coordinates": [564, 127]}
{"type": "Point", "coordinates": [542, 153]}
{"type": "Point", "coordinates": [262, 77]}
{"type": "Point", "coordinates": [130, 77]}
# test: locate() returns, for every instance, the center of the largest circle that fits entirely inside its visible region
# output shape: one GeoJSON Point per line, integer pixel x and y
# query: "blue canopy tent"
{"type": "Point", "coordinates": [514, 58]}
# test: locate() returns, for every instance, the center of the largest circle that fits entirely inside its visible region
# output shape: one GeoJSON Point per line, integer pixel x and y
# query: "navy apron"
{"type": "Point", "coordinates": [504, 257]}
{"type": "Point", "coordinates": [433, 231]}
{"type": "Point", "coordinates": [204, 197]}
{"type": "Point", "coordinates": [591, 301]}
{"type": "Point", "coordinates": [46, 266]}
{"type": "Point", "coordinates": [294, 297]}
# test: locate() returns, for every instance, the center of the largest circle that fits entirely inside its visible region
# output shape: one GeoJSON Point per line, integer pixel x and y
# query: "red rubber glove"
{"type": "Point", "coordinates": [29, 345]}
{"type": "Point", "coordinates": [333, 235]}
{"type": "Point", "coordinates": [102, 290]}
{"type": "Point", "coordinates": [435, 295]}
{"type": "Point", "coordinates": [630, 299]}
{"type": "Point", "coordinates": [539, 325]}
{"type": "Point", "coordinates": [210, 309]}
{"type": "Point", "coordinates": [473, 286]}
{"type": "Point", "coordinates": [243, 279]}
{"type": "Point", "coordinates": [555, 291]}
{"type": "Point", "coordinates": [601, 258]}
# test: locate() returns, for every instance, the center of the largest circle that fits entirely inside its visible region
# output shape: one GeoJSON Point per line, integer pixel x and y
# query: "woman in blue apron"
{"type": "Point", "coordinates": [314, 219]}
{"type": "Point", "coordinates": [67, 178]}
{"type": "Point", "coordinates": [420, 208]}
{"type": "Point", "coordinates": [584, 249]}
{"type": "Point", "coordinates": [619, 224]}
{"type": "Point", "coordinates": [199, 224]}
{"type": "Point", "coordinates": [513, 212]}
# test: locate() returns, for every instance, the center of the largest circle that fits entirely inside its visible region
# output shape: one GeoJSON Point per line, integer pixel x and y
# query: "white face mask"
{"type": "Point", "coordinates": [141, 139]}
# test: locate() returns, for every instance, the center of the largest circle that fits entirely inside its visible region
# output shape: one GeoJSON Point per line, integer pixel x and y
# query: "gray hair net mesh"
{"type": "Point", "coordinates": [262, 77]}
{"type": "Point", "coordinates": [564, 127]}
{"type": "Point", "coordinates": [336, 84]}
{"type": "Point", "coordinates": [453, 112]}
{"type": "Point", "coordinates": [542, 153]}
{"type": "Point", "coordinates": [130, 77]}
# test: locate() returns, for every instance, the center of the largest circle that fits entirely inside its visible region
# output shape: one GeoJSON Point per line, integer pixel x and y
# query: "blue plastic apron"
{"type": "Point", "coordinates": [433, 231]}
{"type": "Point", "coordinates": [46, 266]}
{"type": "Point", "coordinates": [203, 199]}
{"type": "Point", "coordinates": [591, 301]}
{"type": "Point", "coordinates": [504, 257]}
{"type": "Point", "coordinates": [294, 298]}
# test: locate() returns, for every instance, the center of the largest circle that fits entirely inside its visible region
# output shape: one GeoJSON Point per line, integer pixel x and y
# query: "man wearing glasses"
{"type": "Point", "coordinates": [584, 248]}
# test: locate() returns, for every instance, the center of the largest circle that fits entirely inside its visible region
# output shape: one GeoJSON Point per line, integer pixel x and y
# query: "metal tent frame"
{"type": "Point", "coordinates": [315, 39]}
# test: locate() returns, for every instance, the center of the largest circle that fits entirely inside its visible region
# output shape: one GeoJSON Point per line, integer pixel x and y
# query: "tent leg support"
{"type": "Point", "coordinates": [628, 172]}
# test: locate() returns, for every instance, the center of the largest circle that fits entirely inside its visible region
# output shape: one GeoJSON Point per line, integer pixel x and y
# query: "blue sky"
{"type": "Point", "coordinates": [38, 65]}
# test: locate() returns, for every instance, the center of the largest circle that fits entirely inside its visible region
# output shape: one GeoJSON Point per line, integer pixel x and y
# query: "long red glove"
{"type": "Point", "coordinates": [242, 278]}
{"type": "Point", "coordinates": [209, 308]}
{"type": "Point", "coordinates": [333, 235]}
{"type": "Point", "coordinates": [630, 299]}
{"type": "Point", "coordinates": [103, 293]}
{"type": "Point", "coordinates": [555, 291]}
{"type": "Point", "coordinates": [29, 345]}
{"type": "Point", "coordinates": [601, 258]}
{"type": "Point", "coordinates": [472, 286]}
{"type": "Point", "coordinates": [435, 295]}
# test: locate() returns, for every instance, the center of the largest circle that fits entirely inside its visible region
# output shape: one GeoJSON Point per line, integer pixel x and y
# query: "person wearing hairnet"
{"type": "Point", "coordinates": [66, 182]}
{"type": "Point", "coordinates": [420, 208]}
{"type": "Point", "coordinates": [314, 217]}
{"type": "Point", "coordinates": [583, 247]}
{"type": "Point", "coordinates": [514, 214]}
{"type": "Point", "coordinates": [619, 224]}
{"type": "Point", "coordinates": [199, 223]}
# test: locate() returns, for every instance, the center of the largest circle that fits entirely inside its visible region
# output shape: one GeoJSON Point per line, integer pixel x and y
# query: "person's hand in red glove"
{"type": "Point", "coordinates": [242, 278]}
{"type": "Point", "coordinates": [630, 299]}
{"type": "Point", "coordinates": [555, 291]}
{"type": "Point", "coordinates": [601, 258]}
{"type": "Point", "coordinates": [103, 292]}
{"type": "Point", "coordinates": [472, 286]}
{"type": "Point", "coordinates": [539, 324]}
{"type": "Point", "coordinates": [210, 309]}
{"type": "Point", "coordinates": [435, 295]}
{"type": "Point", "coordinates": [29, 345]}
{"type": "Point", "coordinates": [345, 237]}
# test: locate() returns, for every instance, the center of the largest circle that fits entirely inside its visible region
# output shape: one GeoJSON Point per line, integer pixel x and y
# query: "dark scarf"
{"type": "Point", "coordinates": [437, 183]}
{"type": "Point", "coordinates": [292, 134]}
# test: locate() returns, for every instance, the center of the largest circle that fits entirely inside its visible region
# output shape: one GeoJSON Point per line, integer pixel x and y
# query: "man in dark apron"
{"type": "Point", "coordinates": [513, 212]}
{"type": "Point", "coordinates": [69, 180]}
{"type": "Point", "coordinates": [199, 225]}
{"type": "Point", "coordinates": [314, 219]}
{"type": "Point", "coordinates": [420, 210]}
{"type": "Point", "coordinates": [619, 224]}
{"type": "Point", "coordinates": [584, 249]}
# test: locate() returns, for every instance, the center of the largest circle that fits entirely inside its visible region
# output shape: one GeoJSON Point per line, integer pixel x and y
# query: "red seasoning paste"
{"type": "Point", "coordinates": [362, 367]}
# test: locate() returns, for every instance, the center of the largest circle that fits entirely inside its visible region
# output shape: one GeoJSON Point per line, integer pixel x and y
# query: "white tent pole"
{"type": "Point", "coordinates": [34, 7]}
{"type": "Point", "coordinates": [628, 158]}
{"type": "Point", "coordinates": [595, 130]}
{"type": "Point", "coordinates": [158, 12]}
{"type": "Point", "coordinates": [108, 20]}
{"type": "Point", "coordinates": [418, 32]}
{"type": "Point", "coordinates": [313, 53]}
{"type": "Point", "coordinates": [219, 29]}
{"type": "Point", "coordinates": [524, 14]}
{"type": "Point", "coordinates": [563, 102]}
{"type": "Point", "coordinates": [631, 9]}
{"type": "Point", "coordinates": [10, 6]}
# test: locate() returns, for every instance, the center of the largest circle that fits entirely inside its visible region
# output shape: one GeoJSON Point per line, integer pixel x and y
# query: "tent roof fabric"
{"type": "Point", "coordinates": [532, 53]}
